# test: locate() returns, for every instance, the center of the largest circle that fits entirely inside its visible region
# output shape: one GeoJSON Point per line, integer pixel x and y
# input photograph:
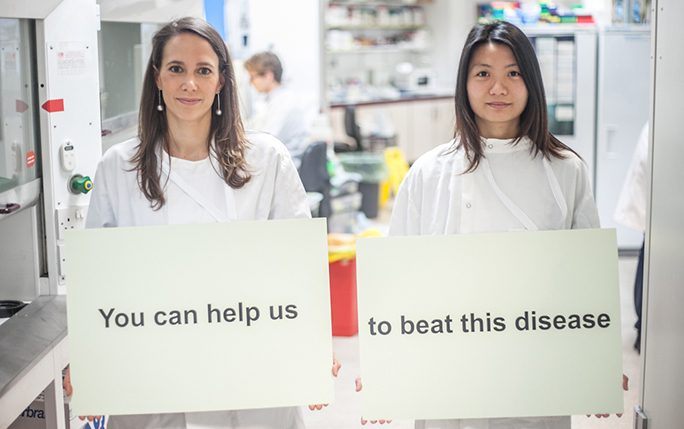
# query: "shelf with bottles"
{"type": "Point", "coordinates": [373, 3]}
{"type": "Point", "coordinates": [376, 50]}
{"type": "Point", "coordinates": [533, 13]}
{"type": "Point", "coordinates": [369, 27]}
{"type": "Point", "coordinates": [394, 16]}
{"type": "Point", "coordinates": [344, 41]}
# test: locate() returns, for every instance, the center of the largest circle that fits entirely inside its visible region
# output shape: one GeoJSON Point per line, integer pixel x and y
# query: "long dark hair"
{"type": "Point", "coordinates": [534, 118]}
{"type": "Point", "coordinates": [226, 140]}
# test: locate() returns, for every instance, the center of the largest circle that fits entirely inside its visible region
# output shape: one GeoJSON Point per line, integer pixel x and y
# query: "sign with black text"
{"type": "Point", "coordinates": [203, 317]}
{"type": "Point", "coordinates": [490, 325]}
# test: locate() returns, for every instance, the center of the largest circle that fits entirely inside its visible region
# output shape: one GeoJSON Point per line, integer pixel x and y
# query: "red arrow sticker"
{"type": "Point", "coordinates": [30, 159]}
{"type": "Point", "coordinates": [54, 105]}
{"type": "Point", "coordinates": [21, 106]}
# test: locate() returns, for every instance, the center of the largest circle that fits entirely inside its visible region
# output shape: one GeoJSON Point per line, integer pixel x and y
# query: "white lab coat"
{"type": "Point", "coordinates": [281, 115]}
{"type": "Point", "coordinates": [274, 192]}
{"type": "Point", "coordinates": [435, 198]}
{"type": "Point", "coordinates": [631, 206]}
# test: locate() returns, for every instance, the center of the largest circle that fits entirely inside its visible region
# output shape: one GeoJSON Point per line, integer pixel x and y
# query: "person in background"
{"type": "Point", "coordinates": [631, 212]}
{"type": "Point", "coordinates": [192, 162]}
{"type": "Point", "coordinates": [280, 114]}
{"type": "Point", "coordinates": [504, 171]}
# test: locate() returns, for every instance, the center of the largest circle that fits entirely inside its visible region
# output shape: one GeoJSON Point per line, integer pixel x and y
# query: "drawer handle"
{"type": "Point", "coordinates": [9, 208]}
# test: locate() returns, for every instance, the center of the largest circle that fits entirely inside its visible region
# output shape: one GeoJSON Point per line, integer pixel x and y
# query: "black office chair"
{"type": "Point", "coordinates": [351, 128]}
{"type": "Point", "coordinates": [372, 143]}
{"type": "Point", "coordinates": [313, 171]}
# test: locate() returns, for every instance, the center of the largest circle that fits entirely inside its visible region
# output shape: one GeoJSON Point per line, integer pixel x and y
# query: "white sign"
{"type": "Point", "coordinates": [490, 325]}
{"type": "Point", "coordinates": [199, 317]}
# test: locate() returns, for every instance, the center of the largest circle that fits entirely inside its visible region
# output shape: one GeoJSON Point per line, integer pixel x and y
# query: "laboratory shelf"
{"type": "Point", "coordinates": [380, 3]}
{"type": "Point", "coordinates": [376, 49]}
{"type": "Point", "coordinates": [376, 27]}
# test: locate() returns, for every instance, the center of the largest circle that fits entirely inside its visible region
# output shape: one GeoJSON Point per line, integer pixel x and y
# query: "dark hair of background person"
{"type": "Point", "coordinates": [226, 141]}
{"type": "Point", "coordinates": [265, 62]}
{"type": "Point", "coordinates": [534, 118]}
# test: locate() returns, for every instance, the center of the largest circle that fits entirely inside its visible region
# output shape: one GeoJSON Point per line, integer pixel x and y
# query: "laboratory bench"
{"type": "Point", "coordinates": [419, 121]}
{"type": "Point", "coordinates": [33, 353]}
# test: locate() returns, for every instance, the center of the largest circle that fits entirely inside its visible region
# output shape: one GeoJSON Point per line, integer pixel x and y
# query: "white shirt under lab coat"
{"type": "Point", "coordinates": [281, 115]}
{"type": "Point", "coordinates": [631, 207]}
{"type": "Point", "coordinates": [435, 198]}
{"type": "Point", "coordinates": [274, 192]}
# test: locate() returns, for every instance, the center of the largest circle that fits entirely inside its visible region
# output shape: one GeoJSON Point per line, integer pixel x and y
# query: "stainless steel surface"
{"type": "Point", "coordinates": [28, 336]}
{"type": "Point", "coordinates": [25, 195]}
{"type": "Point", "coordinates": [663, 336]}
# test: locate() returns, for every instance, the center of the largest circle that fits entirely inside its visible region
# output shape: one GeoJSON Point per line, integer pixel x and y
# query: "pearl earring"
{"type": "Point", "coordinates": [218, 108]}
{"type": "Point", "coordinates": [159, 106]}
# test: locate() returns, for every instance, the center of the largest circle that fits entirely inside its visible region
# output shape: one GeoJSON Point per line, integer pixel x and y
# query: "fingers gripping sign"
{"type": "Point", "coordinates": [69, 389]}
{"type": "Point", "coordinates": [625, 387]}
{"type": "Point", "coordinates": [335, 369]}
{"type": "Point", "coordinates": [359, 386]}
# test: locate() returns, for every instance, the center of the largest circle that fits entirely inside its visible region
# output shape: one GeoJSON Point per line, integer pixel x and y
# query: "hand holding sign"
{"type": "Point", "coordinates": [625, 387]}
{"type": "Point", "coordinates": [335, 369]}
{"type": "Point", "coordinates": [359, 386]}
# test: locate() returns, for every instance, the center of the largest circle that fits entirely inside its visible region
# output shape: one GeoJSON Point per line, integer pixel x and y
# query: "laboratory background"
{"type": "Point", "coordinates": [373, 84]}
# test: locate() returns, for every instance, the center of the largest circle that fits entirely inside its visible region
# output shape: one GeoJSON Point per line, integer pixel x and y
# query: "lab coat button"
{"type": "Point", "coordinates": [468, 205]}
{"type": "Point", "coordinates": [491, 146]}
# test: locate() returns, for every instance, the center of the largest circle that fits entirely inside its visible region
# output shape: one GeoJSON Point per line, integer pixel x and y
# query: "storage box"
{"type": "Point", "coordinates": [343, 298]}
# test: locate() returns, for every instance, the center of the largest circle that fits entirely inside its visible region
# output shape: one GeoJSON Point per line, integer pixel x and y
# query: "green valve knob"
{"type": "Point", "coordinates": [82, 184]}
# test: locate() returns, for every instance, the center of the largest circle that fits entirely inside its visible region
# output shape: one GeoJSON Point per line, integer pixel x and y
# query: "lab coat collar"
{"type": "Point", "coordinates": [505, 145]}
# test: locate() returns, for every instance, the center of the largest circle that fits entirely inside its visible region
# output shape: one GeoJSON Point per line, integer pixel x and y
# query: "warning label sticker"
{"type": "Point", "coordinates": [71, 63]}
{"type": "Point", "coordinates": [30, 159]}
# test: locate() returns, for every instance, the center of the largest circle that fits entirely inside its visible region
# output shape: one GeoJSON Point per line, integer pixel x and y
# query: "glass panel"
{"type": "Point", "coordinates": [124, 50]}
{"type": "Point", "coordinates": [18, 109]}
{"type": "Point", "coordinates": [120, 70]}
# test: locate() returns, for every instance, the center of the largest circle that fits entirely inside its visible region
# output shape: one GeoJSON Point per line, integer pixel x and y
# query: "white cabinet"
{"type": "Point", "coordinates": [420, 125]}
{"type": "Point", "coordinates": [622, 109]}
{"type": "Point", "coordinates": [433, 124]}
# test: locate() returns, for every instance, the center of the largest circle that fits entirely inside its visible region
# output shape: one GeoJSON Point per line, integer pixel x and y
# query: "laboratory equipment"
{"type": "Point", "coordinates": [567, 58]}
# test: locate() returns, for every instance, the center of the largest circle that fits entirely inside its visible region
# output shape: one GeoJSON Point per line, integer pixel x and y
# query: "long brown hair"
{"type": "Point", "coordinates": [534, 118]}
{"type": "Point", "coordinates": [226, 140]}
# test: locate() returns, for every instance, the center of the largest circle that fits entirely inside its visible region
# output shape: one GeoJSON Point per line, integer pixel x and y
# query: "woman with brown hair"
{"type": "Point", "coordinates": [193, 162]}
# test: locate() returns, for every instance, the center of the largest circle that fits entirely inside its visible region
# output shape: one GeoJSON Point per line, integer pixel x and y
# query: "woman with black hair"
{"type": "Point", "coordinates": [504, 170]}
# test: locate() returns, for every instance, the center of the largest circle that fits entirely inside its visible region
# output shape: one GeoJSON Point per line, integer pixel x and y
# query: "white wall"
{"type": "Point", "coordinates": [450, 22]}
{"type": "Point", "coordinates": [291, 29]}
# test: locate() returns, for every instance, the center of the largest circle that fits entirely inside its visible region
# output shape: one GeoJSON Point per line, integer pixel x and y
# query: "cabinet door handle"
{"type": "Point", "coordinates": [611, 131]}
{"type": "Point", "coordinates": [9, 208]}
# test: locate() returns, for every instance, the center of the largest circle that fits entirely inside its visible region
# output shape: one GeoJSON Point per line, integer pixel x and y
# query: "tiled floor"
{"type": "Point", "coordinates": [345, 412]}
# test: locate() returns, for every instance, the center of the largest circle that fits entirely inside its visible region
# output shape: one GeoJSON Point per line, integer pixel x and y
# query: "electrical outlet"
{"type": "Point", "coordinates": [70, 218]}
